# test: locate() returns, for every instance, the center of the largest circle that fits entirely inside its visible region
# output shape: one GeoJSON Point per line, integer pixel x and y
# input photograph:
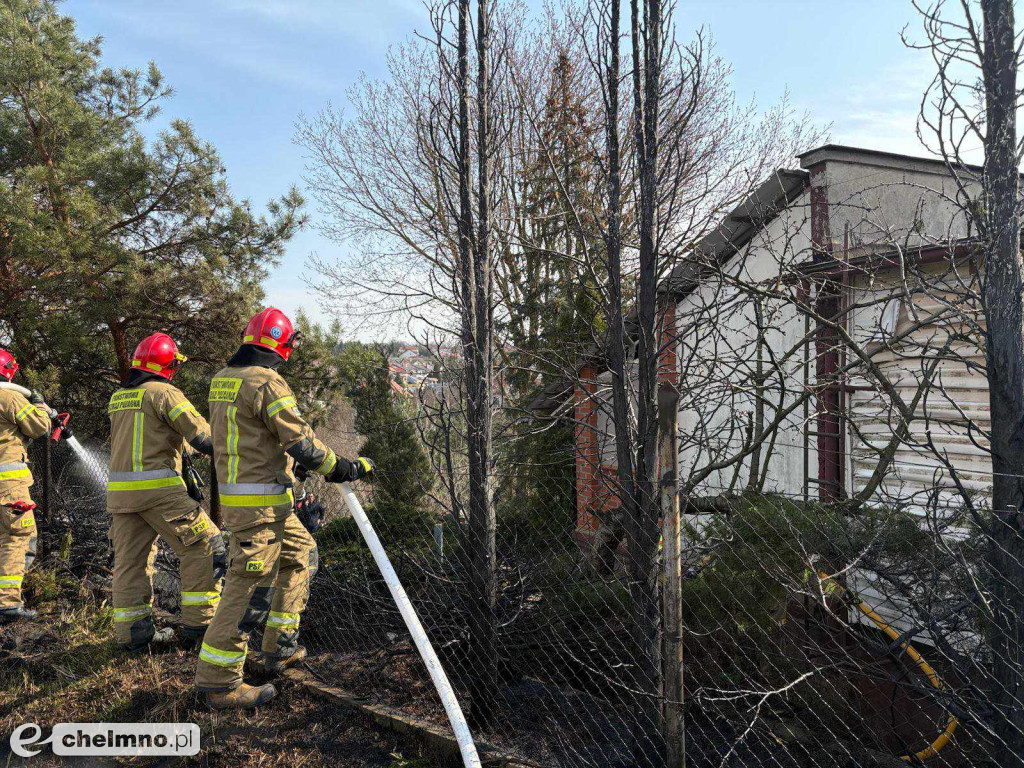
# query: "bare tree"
{"type": "Point", "coordinates": [972, 103]}
{"type": "Point", "coordinates": [478, 353]}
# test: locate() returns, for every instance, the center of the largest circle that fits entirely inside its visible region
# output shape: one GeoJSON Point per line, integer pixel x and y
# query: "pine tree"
{"type": "Point", "coordinates": [553, 305]}
{"type": "Point", "coordinates": [106, 237]}
{"type": "Point", "coordinates": [552, 300]}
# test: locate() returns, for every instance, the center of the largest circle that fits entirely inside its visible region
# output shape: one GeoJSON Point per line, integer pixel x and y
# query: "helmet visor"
{"type": "Point", "coordinates": [290, 344]}
{"type": "Point", "coordinates": [175, 364]}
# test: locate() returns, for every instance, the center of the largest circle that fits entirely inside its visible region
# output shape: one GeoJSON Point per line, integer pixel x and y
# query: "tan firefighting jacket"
{"type": "Point", "coordinates": [255, 420]}
{"type": "Point", "coordinates": [149, 426]}
{"type": "Point", "coordinates": [20, 421]}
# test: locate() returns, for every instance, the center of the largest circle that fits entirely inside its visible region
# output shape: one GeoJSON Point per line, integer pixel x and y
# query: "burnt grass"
{"type": "Point", "coordinates": [563, 699]}
{"type": "Point", "coordinates": [557, 726]}
{"type": "Point", "coordinates": [551, 711]}
{"type": "Point", "coordinates": [63, 667]}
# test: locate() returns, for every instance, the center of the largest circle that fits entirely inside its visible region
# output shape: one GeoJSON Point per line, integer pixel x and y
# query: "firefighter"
{"type": "Point", "coordinates": [151, 421]}
{"type": "Point", "coordinates": [258, 439]}
{"type": "Point", "coordinates": [21, 419]}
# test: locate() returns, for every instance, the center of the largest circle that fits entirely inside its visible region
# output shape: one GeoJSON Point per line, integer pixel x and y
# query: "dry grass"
{"type": "Point", "coordinates": [63, 667]}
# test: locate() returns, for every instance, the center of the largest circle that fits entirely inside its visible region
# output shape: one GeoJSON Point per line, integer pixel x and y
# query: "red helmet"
{"type": "Point", "coordinates": [271, 329]}
{"type": "Point", "coordinates": [8, 365]}
{"type": "Point", "coordinates": [159, 355]}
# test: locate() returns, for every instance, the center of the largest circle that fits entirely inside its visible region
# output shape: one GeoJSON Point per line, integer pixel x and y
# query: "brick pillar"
{"type": "Point", "coordinates": [828, 304]}
{"type": "Point", "coordinates": [588, 461]}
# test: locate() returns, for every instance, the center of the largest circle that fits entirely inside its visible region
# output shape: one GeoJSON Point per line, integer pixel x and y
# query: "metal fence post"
{"type": "Point", "coordinates": [47, 481]}
{"type": "Point", "coordinates": [215, 515]}
{"type": "Point", "coordinates": [672, 565]}
{"type": "Point", "coordinates": [43, 479]}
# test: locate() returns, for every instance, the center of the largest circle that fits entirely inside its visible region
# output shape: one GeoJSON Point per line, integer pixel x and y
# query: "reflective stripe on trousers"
{"type": "Point", "coordinates": [199, 598]}
{"type": "Point", "coordinates": [134, 613]}
{"type": "Point", "coordinates": [143, 480]}
{"type": "Point", "coordinates": [14, 470]}
{"type": "Point", "coordinates": [10, 582]}
{"type": "Point", "coordinates": [283, 620]}
{"type": "Point", "coordinates": [221, 658]}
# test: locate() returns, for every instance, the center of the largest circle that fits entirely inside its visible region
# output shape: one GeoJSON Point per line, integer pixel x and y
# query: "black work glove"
{"type": "Point", "coordinates": [193, 482]}
{"type": "Point", "coordinates": [301, 473]}
{"type": "Point", "coordinates": [311, 512]}
{"type": "Point", "coordinates": [35, 398]}
{"type": "Point", "coordinates": [346, 471]}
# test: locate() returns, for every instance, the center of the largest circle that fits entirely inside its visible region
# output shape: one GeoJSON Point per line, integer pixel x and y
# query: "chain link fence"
{"type": "Point", "coordinates": [814, 635]}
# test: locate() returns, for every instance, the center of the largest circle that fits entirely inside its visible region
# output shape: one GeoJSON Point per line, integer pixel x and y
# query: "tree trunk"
{"type": "Point", "coordinates": [642, 525]}
{"type": "Point", "coordinates": [674, 732]}
{"type": "Point", "coordinates": [121, 351]}
{"type": "Point", "coordinates": [617, 342]}
{"type": "Point", "coordinates": [478, 380]}
{"type": "Point", "coordinates": [1004, 314]}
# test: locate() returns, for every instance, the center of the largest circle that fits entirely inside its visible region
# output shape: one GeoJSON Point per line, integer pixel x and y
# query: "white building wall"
{"type": "Point", "coordinates": [871, 207]}
{"type": "Point", "coordinates": [876, 203]}
{"type": "Point", "coordinates": [718, 331]}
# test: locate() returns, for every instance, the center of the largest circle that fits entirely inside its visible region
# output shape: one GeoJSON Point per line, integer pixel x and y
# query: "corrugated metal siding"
{"type": "Point", "coordinates": [950, 420]}
{"type": "Point", "coordinates": [949, 423]}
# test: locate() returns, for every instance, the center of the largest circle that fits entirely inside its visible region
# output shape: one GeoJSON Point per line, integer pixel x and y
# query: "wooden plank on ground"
{"type": "Point", "coordinates": [438, 742]}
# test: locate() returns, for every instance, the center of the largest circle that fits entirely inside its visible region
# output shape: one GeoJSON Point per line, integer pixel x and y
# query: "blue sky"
{"type": "Point", "coordinates": [243, 70]}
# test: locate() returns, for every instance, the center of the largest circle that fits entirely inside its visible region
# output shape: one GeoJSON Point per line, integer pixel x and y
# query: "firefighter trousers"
{"type": "Point", "coordinates": [269, 572]}
{"type": "Point", "coordinates": [17, 550]}
{"type": "Point", "coordinates": [197, 543]}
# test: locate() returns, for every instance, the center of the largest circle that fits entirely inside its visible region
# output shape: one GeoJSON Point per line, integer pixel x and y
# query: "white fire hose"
{"type": "Point", "coordinates": [16, 387]}
{"type": "Point", "coordinates": [444, 688]}
{"type": "Point", "coordinates": [26, 392]}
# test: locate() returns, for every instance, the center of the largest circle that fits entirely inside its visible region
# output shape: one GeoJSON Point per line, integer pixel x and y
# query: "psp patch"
{"type": "Point", "coordinates": [254, 565]}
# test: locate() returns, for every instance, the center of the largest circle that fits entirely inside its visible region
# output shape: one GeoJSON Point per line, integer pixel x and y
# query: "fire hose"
{"type": "Point", "coordinates": [16, 387]}
{"type": "Point", "coordinates": [470, 758]}
{"type": "Point", "coordinates": [926, 669]}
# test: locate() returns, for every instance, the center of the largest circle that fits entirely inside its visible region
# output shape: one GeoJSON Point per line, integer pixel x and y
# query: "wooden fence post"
{"type": "Point", "coordinates": [672, 565]}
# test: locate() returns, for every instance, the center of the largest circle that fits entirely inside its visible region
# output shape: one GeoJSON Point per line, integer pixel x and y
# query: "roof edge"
{"type": "Point", "coordinates": [883, 158]}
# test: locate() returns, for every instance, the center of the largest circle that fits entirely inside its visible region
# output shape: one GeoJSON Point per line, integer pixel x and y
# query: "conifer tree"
{"type": "Point", "coordinates": [403, 475]}
{"type": "Point", "coordinates": [106, 236]}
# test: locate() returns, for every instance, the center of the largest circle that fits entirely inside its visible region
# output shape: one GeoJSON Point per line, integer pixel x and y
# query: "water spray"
{"type": "Point", "coordinates": [60, 430]}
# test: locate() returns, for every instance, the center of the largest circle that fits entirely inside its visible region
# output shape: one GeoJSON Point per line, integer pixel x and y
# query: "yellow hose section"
{"type": "Point", "coordinates": [933, 677]}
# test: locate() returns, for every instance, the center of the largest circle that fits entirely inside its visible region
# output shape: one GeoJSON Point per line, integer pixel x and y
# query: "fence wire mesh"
{"type": "Point", "coordinates": [814, 635]}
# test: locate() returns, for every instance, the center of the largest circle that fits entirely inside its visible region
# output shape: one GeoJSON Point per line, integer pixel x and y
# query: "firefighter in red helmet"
{"type": "Point", "coordinates": [23, 417]}
{"type": "Point", "coordinates": [260, 444]}
{"type": "Point", "coordinates": [152, 425]}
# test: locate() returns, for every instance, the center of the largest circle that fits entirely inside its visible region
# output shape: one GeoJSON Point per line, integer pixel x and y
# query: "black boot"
{"type": "Point", "coordinates": [162, 639]}
{"type": "Point", "coordinates": [190, 637]}
{"type": "Point", "coordinates": [8, 615]}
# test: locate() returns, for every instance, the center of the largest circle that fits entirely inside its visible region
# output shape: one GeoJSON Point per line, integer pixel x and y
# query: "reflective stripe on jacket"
{"type": "Point", "coordinates": [255, 420]}
{"type": "Point", "coordinates": [149, 426]}
{"type": "Point", "coordinates": [20, 421]}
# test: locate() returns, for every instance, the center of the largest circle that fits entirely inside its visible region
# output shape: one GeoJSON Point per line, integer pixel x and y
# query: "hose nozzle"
{"type": "Point", "coordinates": [60, 426]}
